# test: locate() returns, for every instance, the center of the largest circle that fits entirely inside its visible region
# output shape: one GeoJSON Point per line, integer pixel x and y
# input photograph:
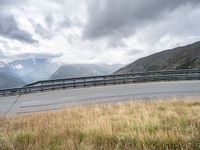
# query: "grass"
{"type": "Point", "coordinates": [164, 124]}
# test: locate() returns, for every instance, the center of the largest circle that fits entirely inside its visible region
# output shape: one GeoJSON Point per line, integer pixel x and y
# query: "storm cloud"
{"type": "Point", "coordinates": [124, 17]}
{"type": "Point", "coordinates": [95, 31]}
{"type": "Point", "coordinates": [9, 29]}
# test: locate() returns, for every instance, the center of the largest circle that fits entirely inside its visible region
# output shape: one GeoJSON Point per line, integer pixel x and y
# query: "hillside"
{"type": "Point", "coordinates": [80, 70]}
{"type": "Point", "coordinates": [186, 57]}
{"type": "Point", "coordinates": [9, 79]}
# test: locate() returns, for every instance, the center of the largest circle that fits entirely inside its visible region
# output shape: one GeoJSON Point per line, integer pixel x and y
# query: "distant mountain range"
{"type": "Point", "coordinates": [31, 70]}
{"type": "Point", "coordinates": [20, 72]}
{"type": "Point", "coordinates": [81, 70]}
{"type": "Point", "coordinates": [185, 57]}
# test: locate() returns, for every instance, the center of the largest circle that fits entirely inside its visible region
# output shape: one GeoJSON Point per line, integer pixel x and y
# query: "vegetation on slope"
{"type": "Point", "coordinates": [185, 57]}
{"type": "Point", "coordinates": [169, 124]}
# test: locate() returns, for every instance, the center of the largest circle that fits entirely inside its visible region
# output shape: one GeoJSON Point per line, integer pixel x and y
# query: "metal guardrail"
{"type": "Point", "coordinates": [69, 83]}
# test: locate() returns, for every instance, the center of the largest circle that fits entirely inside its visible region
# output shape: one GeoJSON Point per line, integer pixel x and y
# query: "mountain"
{"type": "Point", "coordinates": [185, 57]}
{"type": "Point", "coordinates": [80, 70]}
{"type": "Point", "coordinates": [31, 70]}
{"type": "Point", "coordinates": [9, 79]}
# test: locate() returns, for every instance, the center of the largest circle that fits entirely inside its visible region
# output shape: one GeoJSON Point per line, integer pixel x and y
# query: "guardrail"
{"type": "Point", "coordinates": [69, 83]}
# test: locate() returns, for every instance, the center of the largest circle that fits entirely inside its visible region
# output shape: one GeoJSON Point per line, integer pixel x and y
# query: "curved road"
{"type": "Point", "coordinates": [58, 99]}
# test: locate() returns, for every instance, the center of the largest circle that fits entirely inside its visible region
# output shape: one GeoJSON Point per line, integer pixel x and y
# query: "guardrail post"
{"type": "Point", "coordinates": [74, 83]}
{"type": "Point", "coordinates": [84, 82]}
{"type": "Point", "coordinates": [20, 92]}
{"type": "Point", "coordinates": [41, 86]}
{"type": "Point", "coordinates": [53, 85]}
{"type": "Point", "coordinates": [63, 84]}
{"type": "Point", "coordinates": [94, 83]}
{"type": "Point", "coordinates": [114, 80]}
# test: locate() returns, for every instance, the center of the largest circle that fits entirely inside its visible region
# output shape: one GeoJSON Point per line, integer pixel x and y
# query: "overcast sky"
{"type": "Point", "coordinates": [95, 31]}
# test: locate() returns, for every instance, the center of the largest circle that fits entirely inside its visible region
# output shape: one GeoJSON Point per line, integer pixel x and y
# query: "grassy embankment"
{"type": "Point", "coordinates": [172, 124]}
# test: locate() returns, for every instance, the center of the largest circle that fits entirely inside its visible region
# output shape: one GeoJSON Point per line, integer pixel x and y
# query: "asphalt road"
{"type": "Point", "coordinates": [59, 99]}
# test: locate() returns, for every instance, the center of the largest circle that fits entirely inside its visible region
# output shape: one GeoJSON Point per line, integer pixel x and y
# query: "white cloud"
{"type": "Point", "coordinates": [59, 27]}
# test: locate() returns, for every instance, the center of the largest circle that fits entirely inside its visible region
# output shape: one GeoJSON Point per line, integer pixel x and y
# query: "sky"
{"type": "Point", "coordinates": [95, 31]}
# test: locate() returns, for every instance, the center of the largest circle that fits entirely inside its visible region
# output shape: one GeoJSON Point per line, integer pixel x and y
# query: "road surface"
{"type": "Point", "coordinates": [53, 100]}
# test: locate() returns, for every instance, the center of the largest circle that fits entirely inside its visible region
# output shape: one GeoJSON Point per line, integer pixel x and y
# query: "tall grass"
{"type": "Point", "coordinates": [167, 124]}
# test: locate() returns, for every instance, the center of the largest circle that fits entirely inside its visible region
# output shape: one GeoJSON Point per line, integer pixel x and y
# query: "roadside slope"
{"type": "Point", "coordinates": [186, 57]}
{"type": "Point", "coordinates": [131, 125]}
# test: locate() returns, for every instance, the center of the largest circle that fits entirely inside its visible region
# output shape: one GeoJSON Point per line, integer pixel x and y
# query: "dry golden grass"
{"type": "Point", "coordinates": [167, 124]}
